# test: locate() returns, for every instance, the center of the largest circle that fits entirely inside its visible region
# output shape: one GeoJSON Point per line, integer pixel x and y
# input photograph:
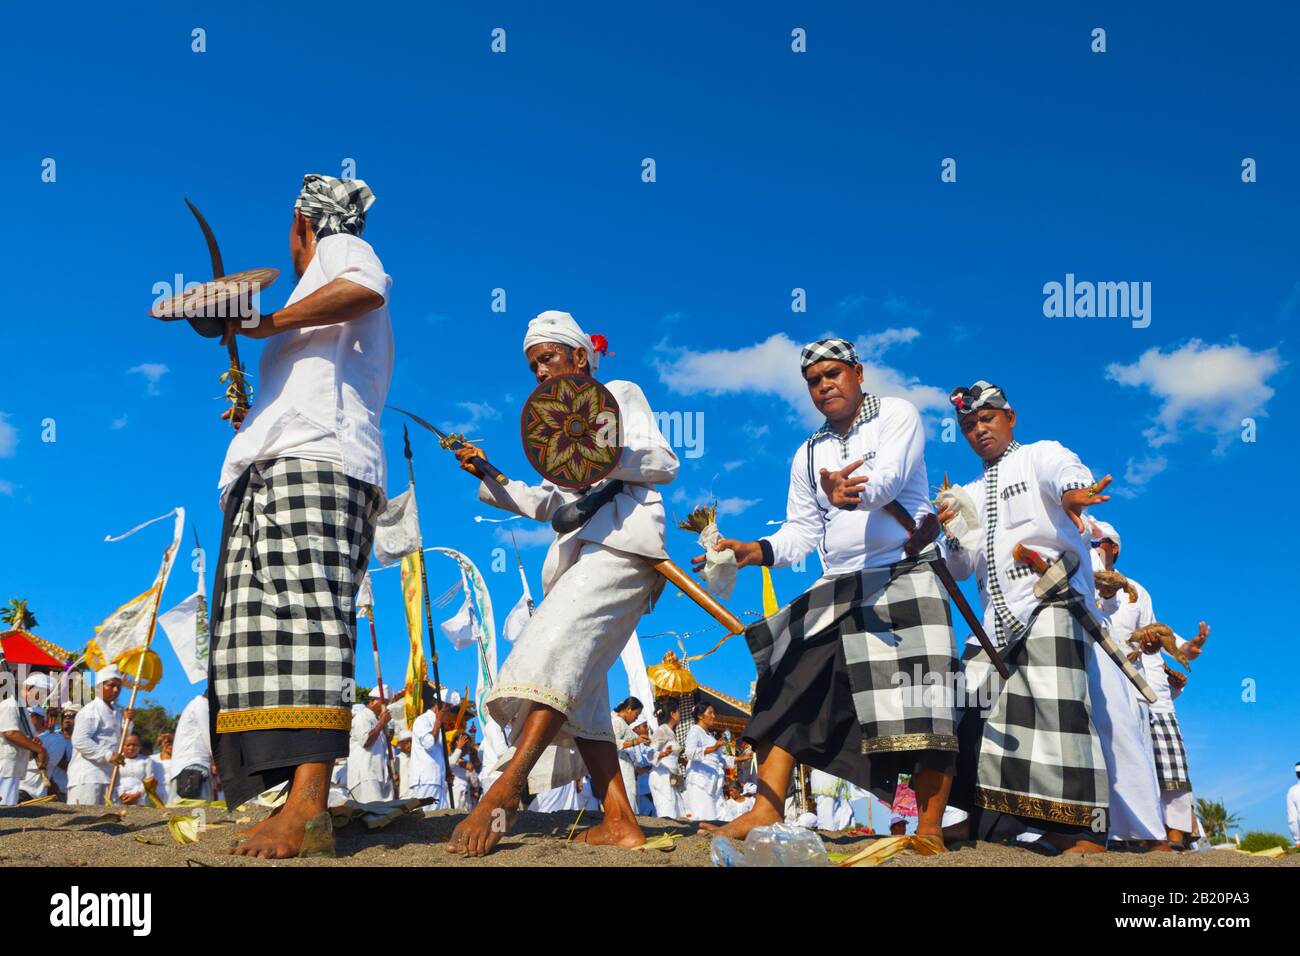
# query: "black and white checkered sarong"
{"type": "Point", "coordinates": [896, 631]}
{"type": "Point", "coordinates": [298, 537]}
{"type": "Point", "coordinates": [1171, 756]}
{"type": "Point", "coordinates": [1039, 755]}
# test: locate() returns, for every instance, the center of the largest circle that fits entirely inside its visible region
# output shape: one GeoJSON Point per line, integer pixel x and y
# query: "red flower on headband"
{"type": "Point", "coordinates": [600, 344]}
{"type": "Point", "coordinates": [960, 402]}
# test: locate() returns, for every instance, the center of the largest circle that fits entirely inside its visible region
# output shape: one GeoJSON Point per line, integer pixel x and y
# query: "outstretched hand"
{"type": "Point", "coordinates": [1075, 501]}
{"type": "Point", "coordinates": [747, 553]}
{"type": "Point", "coordinates": [843, 491]}
{"type": "Point", "coordinates": [1193, 647]}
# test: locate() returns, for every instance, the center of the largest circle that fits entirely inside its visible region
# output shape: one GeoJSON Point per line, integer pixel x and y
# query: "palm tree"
{"type": "Point", "coordinates": [1216, 819]}
{"type": "Point", "coordinates": [17, 616]}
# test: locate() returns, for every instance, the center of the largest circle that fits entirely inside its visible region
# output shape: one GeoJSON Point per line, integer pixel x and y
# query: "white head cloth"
{"type": "Point", "coordinates": [107, 673]}
{"type": "Point", "coordinates": [40, 681]}
{"type": "Point", "coordinates": [560, 327]}
{"type": "Point", "coordinates": [1106, 530]}
{"type": "Point", "coordinates": [379, 691]}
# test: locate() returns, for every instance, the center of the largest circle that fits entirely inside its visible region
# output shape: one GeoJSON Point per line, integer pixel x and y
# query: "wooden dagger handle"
{"type": "Point", "coordinates": [700, 596]}
{"type": "Point", "coordinates": [1030, 557]}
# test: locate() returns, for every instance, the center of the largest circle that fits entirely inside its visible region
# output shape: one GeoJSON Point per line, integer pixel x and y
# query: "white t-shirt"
{"type": "Point", "coordinates": [365, 762]}
{"type": "Point", "coordinates": [320, 391]}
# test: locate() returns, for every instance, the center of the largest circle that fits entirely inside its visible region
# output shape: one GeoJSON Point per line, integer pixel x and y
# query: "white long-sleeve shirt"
{"type": "Point", "coordinates": [426, 751]}
{"type": "Point", "coordinates": [365, 761]}
{"type": "Point", "coordinates": [1293, 811]}
{"type": "Point", "coordinates": [1023, 507]}
{"type": "Point", "coordinates": [95, 738]}
{"type": "Point", "coordinates": [664, 739]}
{"type": "Point", "coordinates": [888, 435]}
{"type": "Point", "coordinates": [697, 741]}
{"type": "Point", "coordinates": [1122, 617]}
{"type": "Point", "coordinates": [633, 522]}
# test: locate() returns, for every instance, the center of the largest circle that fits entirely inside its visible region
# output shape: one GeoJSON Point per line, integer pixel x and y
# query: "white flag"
{"type": "Point", "coordinates": [186, 626]}
{"type": "Point", "coordinates": [516, 620]}
{"type": "Point", "coordinates": [397, 531]}
{"type": "Point", "coordinates": [365, 597]}
{"type": "Point", "coordinates": [460, 629]}
{"type": "Point", "coordinates": [638, 679]}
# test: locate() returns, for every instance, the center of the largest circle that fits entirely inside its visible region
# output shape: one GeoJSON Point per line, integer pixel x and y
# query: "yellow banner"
{"type": "Point", "coordinates": [416, 669]}
{"type": "Point", "coordinates": [770, 605]}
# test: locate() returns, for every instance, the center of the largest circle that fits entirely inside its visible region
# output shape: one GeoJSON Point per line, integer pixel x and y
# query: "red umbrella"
{"type": "Point", "coordinates": [24, 647]}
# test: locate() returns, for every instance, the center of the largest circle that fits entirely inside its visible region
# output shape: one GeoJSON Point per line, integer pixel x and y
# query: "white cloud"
{"type": "Point", "coordinates": [771, 367]}
{"type": "Point", "coordinates": [1210, 388]}
{"type": "Point", "coordinates": [732, 465]}
{"type": "Point", "coordinates": [6, 488]}
{"type": "Point", "coordinates": [119, 423]}
{"type": "Point", "coordinates": [1138, 473]}
{"type": "Point", "coordinates": [152, 372]}
{"type": "Point", "coordinates": [8, 437]}
{"type": "Point", "coordinates": [478, 412]}
{"type": "Point", "coordinates": [735, 506]}
{"type": "Point", "coordinates": [527, 536]}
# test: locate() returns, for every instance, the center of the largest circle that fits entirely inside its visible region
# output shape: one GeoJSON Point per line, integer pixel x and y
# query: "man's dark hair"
{"type": "Point", "coordinates": [630, 702]}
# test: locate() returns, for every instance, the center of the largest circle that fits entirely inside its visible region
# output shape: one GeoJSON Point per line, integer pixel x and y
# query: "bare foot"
{"type": "Point", "coordinates": [935, 833]}
{"type": "Point", "coordinates": [1159, 846]}
{"type": "Point", "coordinates": [1073, 845]}
{"type": "Point", "coordinates": [760, 816]}
{"type": "Point", "coordinates": [482, 830]}
{"type": "Point", "coordinates": [612, 833]}
{"type": "Point", "coordinates": [288, 835]}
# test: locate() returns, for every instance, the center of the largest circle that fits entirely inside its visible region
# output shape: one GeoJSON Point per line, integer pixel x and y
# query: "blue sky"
{"type": "Point", "coordinates": [774, 171]}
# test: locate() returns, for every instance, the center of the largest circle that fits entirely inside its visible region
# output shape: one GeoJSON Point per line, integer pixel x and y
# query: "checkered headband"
{"type": "Point", "coordinates": [967, 401]}
{"type": "Point", "coordinates": [838, 350]}
{"type": "Point", "coordinates": [334, 205]}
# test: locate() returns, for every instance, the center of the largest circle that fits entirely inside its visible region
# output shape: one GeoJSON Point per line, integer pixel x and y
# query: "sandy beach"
{"type": "Point", "coordinates": [59, 835]}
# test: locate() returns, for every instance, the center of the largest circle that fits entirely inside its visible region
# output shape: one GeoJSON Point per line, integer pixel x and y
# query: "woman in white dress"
{"type": "Point", "coordinates": [706, 769]}
{"type": "Point", "coordinates": [625, 738]}
{"type": "Point", "coordinates": [665, 755]}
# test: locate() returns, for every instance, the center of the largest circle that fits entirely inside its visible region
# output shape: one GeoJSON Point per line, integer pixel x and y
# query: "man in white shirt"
{"type": "Point", "coordinates": [96, 737]}
{"type": "Point", "coordinates": [19, 743]}
{"type": "Point", "coordinates": [598, 579]}
{"type": "Point", "coordinates": [57, 741]}
{"type": "Point", "coordinates": [302, 485]}
{"type": "Point", "coordinates": [829, 692]}
{"type": "Point", "coordinates": [428, 770]}
{"type": "Point", "coordinates": [368, 778]}
{"type": "Point", "coordinates": [190, 772]}
{"type": "Point", "coordinates": [1032, 760]}
{"type": "Point", "coordinates": [1121, 715]}
{"type": "Point", "coordinates": [1293, 807]}
{"type": "Point", "coordinates": [465, 766]}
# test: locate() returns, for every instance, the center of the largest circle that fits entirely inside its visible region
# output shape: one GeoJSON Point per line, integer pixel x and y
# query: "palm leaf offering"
{"type": "Point", "coordinates": [700, 518]}
{"type": "Point", "coordinates": [881, 850]}
{"type": "Point", "coordinates": [183, 829]}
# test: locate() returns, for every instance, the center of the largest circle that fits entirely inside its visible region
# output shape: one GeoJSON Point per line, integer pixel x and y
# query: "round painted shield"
{"type": "Point", "coordinates": [571, 431]}
{"type": "Point", "coordinates": [206, 307]}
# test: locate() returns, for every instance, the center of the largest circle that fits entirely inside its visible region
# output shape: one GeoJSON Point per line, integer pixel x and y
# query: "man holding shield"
{"type": "Point", "coordinates": [599, 578]}
{"type": "Point", "coordinates": [302, 486]}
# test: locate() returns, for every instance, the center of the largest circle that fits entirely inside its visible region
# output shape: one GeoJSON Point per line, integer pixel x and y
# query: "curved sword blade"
{"type": "Point", "coordinates": [214, 253]}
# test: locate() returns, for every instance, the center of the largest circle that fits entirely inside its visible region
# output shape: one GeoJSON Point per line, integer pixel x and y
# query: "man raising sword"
{"type": "Point", "coordinates": [599, 579]}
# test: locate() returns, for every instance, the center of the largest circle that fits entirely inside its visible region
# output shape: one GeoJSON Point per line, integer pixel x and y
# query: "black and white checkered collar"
{"type": "Point", "coordinates": [868, 410]}
{"type": "Point", "coordinates": [1002, 457]}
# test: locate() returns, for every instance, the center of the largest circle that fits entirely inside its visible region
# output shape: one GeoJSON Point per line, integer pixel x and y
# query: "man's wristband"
{"type": "Point", "coordinates": [769, 558]}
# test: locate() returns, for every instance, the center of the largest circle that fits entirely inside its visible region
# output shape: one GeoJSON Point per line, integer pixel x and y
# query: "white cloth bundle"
{"type": "Point", "coordinates": [720, 566]}
{"type": "Point", "coordinates": [965, 526]}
